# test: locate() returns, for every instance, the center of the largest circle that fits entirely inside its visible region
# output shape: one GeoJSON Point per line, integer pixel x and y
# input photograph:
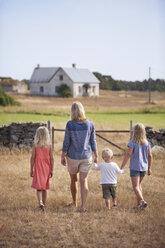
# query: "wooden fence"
{"type": "Point", "coordinates": [52, 130]}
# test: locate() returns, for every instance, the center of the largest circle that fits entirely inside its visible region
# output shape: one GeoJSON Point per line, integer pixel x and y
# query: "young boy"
{"type": "Point", "coordinates": [108, 177]}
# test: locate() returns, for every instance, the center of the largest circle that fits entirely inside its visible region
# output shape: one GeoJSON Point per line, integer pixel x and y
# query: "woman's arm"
{"type": "Point", "coordinates": [127, 156]}
{"type": "Point", "coordinates": [32, 160]}
{"type": "Point", "coordinates": [95, 157]}
{"type": "Point", "coordinates": [149, 162]}
{"type": "Point", "coordinates": [51, 160]}
{"type": "Point", "coordinates": [63, 158]}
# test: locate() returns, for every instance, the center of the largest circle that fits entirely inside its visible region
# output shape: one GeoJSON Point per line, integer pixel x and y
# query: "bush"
{"type": "Point", "coordinates": [5, 99]}
{"type": "Point", "coordinates": [64, 91]}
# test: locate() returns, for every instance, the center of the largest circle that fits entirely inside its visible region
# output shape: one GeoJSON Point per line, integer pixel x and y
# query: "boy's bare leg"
{"type": "Point", "coordinates": [107, 203]}
{"type": "Point", "coordinates": [114, 201]}
{"type": "Point", "coordinates": [44, 196]}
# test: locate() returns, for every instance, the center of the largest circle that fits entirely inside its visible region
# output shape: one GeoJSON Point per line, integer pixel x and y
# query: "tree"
{"type": "Point", "coordinates": [64, 91]}
{"type": "Point", "coordinates": [5, 99]}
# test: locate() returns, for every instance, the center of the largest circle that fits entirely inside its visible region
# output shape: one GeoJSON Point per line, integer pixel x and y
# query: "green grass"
{"type": "Point", "coordinates": [157, 121]}
{"type": "Point", "coordinates": [7, 118]}
{"type": "Point", "coordinates": [118, 120]}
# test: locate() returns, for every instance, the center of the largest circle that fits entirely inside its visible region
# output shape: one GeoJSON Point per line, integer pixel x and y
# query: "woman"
{"type": "Point", "coordinates": [78, 146]}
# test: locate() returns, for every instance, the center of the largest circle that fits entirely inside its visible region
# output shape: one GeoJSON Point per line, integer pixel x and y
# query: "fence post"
{"type": "Point", "coordinates": [131, 130]}
{"type": "Point", "coordinates": [52, 138]}
{"type": "Point", "coordinates": [49, 126]}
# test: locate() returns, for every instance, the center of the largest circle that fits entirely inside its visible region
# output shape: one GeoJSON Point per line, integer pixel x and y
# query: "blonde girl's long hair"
{"type": "Point", "coordinates": [77, 112]}
{"type": "Point", "coordinates": [139, 134]}
{"type": "Point", "coordinates": [42, 137]}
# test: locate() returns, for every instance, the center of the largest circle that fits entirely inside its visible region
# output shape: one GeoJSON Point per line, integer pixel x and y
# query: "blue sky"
{"type": "Point", "coordinates": [121, 38]}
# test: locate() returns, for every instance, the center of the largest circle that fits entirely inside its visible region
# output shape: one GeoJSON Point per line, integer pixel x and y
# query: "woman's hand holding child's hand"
{"type": "Point", "coordinates": [96, 160]}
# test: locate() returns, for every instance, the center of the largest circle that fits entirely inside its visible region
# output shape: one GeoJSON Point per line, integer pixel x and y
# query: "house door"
{"type": "Point", "coordinates": [86, 88]}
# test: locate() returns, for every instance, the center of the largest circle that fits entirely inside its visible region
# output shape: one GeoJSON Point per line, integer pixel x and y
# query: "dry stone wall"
{"type": "Point", "coordinates": [156, 138]}
{"type": "Point", "coordinates": [22, 135]}
{"type": "Point", "coordinates": [19, 134]}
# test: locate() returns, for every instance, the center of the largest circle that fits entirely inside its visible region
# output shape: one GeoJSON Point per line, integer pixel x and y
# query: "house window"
{"type": "Point", "coordinates": [61, 77]}
{"type": "Point", "coordinates": [41, 89]}
{"type": "Point", "coordinates": [94, 89]}
{"type": "Point", "coordinates": [79, 89]}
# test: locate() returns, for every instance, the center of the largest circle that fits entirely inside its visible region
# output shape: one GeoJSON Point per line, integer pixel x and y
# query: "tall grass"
{"type": "Point", "coordinates": [22, 225]}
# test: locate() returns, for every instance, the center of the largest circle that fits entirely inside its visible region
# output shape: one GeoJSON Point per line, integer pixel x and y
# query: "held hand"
{"type": "Point", "coordinates": [96, 160]}
{"type": "Point", "coordinates": [31, 174]}
{"type": "Point", "coordinates": [149, 172]}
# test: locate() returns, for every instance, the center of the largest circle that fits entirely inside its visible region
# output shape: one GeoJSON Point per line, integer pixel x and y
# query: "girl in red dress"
{"type": "Point", "coordinates": [41, 164]}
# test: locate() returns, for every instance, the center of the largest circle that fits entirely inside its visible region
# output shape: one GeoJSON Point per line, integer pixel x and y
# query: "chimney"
{"type": "Point", "coordinates": [74, 65]}
{"type": "Point", "coordinates": [38, 66]}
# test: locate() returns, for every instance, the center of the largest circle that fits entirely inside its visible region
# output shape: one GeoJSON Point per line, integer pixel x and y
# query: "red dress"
{"type": "Point", "coordinates": [42, 169]}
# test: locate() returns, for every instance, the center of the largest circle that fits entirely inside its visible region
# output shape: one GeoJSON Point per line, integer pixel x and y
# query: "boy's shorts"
{"type": "Point", "coordinates": [75, 165]}
{"type": "Point", "coordinates": [109, 190]}
{"type": "Point", "coordinates": [135, 173]}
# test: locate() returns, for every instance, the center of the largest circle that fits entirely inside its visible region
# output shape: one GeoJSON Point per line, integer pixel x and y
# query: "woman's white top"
{"type": "Point", "coordinates": [109, 172]}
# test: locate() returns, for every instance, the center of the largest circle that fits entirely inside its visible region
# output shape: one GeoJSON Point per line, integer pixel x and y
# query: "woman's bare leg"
{"type": "Point", "coordinates": [84, 188]}
{"type": "Point", "coordinates": [74, 187]}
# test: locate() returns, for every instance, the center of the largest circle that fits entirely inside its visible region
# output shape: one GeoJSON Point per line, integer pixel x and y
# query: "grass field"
{"type": "Point", "coordinates": [23, 226]}
{"type": "Point", "coordinates": [115, 109]}
{"type": "Point", "coordinates": [115, 120]}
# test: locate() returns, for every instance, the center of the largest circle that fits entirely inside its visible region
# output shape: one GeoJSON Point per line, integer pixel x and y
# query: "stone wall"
{"type": "Point", "coordinates": [19, 134]}
{"type": "Point", "coordinates": [22, 134]}
{"type": "Point", "coordinates": [156, 138]}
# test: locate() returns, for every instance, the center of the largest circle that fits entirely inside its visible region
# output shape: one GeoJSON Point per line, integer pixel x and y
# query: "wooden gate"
{"type": "Point", "coordinates": [52, 130]}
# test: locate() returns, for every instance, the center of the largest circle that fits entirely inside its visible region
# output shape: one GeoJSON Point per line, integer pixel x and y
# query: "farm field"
{"type": "Point", "coordinates": [115, 109]}
{"type": "Point", "coordinates": [22, 225]}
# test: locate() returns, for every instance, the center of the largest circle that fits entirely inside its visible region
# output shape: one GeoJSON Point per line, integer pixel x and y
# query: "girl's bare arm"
{"type": "Point", "coordinates": [126, 158]}
{"type": "Point", "coordinates": [32, 160]}
{"type": "Point", "coordinates": [149, 162]}
{"type": "Point", "coordinates": [51, 161]}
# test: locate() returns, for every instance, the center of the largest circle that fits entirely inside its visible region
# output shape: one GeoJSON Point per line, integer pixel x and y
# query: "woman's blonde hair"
{"type": "Point", "coordinates": [77, 112]}
{"type": "Point", "coordinates": [139, 134]}
{"type": "Point", "coordinates": [107, 153]}
{"type": "Point", "coordinates": [42, 137]}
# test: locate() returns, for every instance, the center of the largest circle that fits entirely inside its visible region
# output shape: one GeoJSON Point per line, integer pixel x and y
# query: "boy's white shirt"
{"type": "Point", "coordinates": [108, 172]}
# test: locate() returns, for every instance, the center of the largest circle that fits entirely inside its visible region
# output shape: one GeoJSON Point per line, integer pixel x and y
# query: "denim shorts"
{"type": "Point", "coordinates": [135, 173]}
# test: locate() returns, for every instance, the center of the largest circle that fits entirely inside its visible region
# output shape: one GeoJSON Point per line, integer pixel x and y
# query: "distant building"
{"type": "Point", "coordinates": [46, 80]}
{"type": "Point", "coordinates": [11, 85]}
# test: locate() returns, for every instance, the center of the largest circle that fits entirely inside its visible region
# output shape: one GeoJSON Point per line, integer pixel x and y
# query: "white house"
{"type": "Point", "coordinates": [45, 81]}
{"type": "Point", "coordinates": [11, 85]}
